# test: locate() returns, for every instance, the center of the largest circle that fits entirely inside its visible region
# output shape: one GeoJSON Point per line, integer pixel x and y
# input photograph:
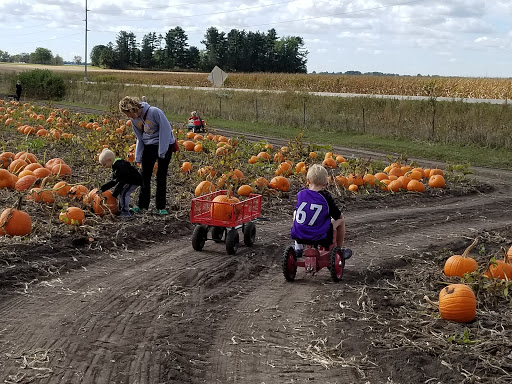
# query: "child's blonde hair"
{"type": "Point", "coordinates": [106, 155]}
{"type": "Point", "coordinates": [194, 113]}
{"type": "Point", "coordinates": [317, 175]}
{"type": "Point", "coordinates": [129, 104]}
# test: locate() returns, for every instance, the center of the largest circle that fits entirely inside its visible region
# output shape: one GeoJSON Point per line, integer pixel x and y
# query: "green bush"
{"type": "Point", "coordinates": [42, 84]}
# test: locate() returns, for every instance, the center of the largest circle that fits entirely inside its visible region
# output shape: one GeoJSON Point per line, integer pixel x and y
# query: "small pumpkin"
{"type": "Point", "coordinates": [245, 190]}
{"type": "Point", "coordinates": [15, 222]}
{"type": "Point", "coordinates": [204, 187]}
{"type": "Point", "coordinates": [458, 265]}
{"type": "Point", "coordinates": [457, 302]}
{"type": "Point", "coordinates": [61, 188]}
{"type": "Point", "coordinates": [261, 182]}
{"type": "Point", "coordinates": [78, 192]}
{"type": "Point", "coordinates": [223, 207]}
{"type": "Point", "coordinates": [500, 269]}
{"type": "Point", "coordinates": [26, 182]}
{"type": "Point", "coordinates": [280, 183]}
{"type": "Point", "coordinates": [6, 179]}
{"type": "Point", "coordinates": [72, 216]}
{"type": "Point", "coordinates": [436, 181]}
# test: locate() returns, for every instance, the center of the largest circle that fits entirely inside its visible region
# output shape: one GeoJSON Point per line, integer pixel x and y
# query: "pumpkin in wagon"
{"type": "Point", "coordinates": [223, 207]}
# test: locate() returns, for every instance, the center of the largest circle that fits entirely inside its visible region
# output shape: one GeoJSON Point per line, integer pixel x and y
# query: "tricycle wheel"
{"type": "Point", "coordinates": [289, 266]}
{"type": "Point", "coordinates": [336, 263]}
{"type": "Point", "coordinates": [217, 234]}
{"type": "Point", "coordinates": [199, 237]}
{"type": "Point", "coordinates": [249, 230]}
{"type": "Point", "coordinates": [232, 241]}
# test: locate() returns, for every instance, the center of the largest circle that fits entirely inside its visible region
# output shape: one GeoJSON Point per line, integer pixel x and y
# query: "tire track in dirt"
{"type": "Point", "coordinates": [101, 317]}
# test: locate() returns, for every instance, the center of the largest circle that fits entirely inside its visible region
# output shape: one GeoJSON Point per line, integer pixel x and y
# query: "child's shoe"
{"type": "Point", "coordinates": [125, 215]}
{"type": "Point", "coordinates": [346, 253]}
{"type": "Point", "coordinates": [162, 212]}
{"type": "Point", "coordinates": [135, 209]}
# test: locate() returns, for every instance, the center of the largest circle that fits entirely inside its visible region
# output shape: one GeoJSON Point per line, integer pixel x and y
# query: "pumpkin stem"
{"type": "Point", "coordinates": [18, 203]}
{"type": "Point", "coordinates": [471, 246]}
{"type": "Point", "coordinates": [433, 303]}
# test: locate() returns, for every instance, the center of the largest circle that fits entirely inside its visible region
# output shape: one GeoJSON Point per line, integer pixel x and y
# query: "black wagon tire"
{"type": "Point", "coordinates": [199, 237]}
{"type": "Point", "coordinates": [288, 263]}
{"type": "Point", "coordinates": [232, 240]}
{"type": "Point", "coordinates": [336, 264]}
{"type": "Point", "coordinates": [249, 233]}
{"type": "Point", "coordinates": [218, 234]}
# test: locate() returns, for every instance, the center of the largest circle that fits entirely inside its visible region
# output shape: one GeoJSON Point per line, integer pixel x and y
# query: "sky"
{"type": "Point", "coordinates": [470, 38]}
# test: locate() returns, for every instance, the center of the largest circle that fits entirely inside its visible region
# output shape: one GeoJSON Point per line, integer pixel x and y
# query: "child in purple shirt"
{"type": "Point", "coordinates": [316, 214]}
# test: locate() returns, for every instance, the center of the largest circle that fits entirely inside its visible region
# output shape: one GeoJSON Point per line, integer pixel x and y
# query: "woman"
{"type": "Point", "coordinates": [154, 144]}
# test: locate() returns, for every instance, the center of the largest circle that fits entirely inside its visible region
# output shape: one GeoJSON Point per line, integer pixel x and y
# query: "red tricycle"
{"type": "Point", "coordinates": [243, 215]}
{"type": "Point", "coordinates": [315, 257]}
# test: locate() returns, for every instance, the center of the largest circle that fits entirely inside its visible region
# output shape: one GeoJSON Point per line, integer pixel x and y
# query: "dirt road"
{"type": "Point", "coordinates": [156, 311]}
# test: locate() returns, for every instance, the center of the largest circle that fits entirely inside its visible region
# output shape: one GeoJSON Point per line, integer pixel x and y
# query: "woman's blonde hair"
{"type": "Point", "coordinates": [318, 175]}
{"type": "Point", "coordinates": [129, 104]}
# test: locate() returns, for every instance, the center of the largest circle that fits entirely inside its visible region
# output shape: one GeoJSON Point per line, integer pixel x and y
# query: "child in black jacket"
{"type": "Point", "coordinates": [125, 178]}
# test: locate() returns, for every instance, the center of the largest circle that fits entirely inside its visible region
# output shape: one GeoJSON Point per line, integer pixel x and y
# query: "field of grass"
{"type": "Point", "coordinates": [454, 132]}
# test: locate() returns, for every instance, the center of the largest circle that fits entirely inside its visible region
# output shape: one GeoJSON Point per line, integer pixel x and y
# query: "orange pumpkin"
{"type": "Point", "coordinates": [245, 190]}
{"type": "Point", "coordinates": [41, 172]}
{"type": "Point", "coordinates": [17, 166]}
{"type": "Point", "coordinates": [280, 183]}
{"type": "Point", "coordinates": [15, 222]}
{"type": "Point", "coordinates": [261, 182]}
{"type": "Point", "coordinates": [500, 269]}
{"type": "Point", "coordinates": [329, 162]}
{"type": "Point", "coordinates": [186, 167]}
{"type": "Point", "coordinates": [457, 302]}
{"type": "Point", "coordinates": [6, 180]}
{"type": "Point", "coordinates": [78, 192]}
{"type": "Point", "coordinates": [204, 187]}
{"type": "Point", "coordinates": [415, 186]}
{"type": "Point", "coordinates": [26, 182]}
{"type": "Point", "coordinates": [61, 188]}
{"type": "Point", "coordinates": [458, 265]}
{"type": "Point", "coordinates": [61, 169]}
{"type": "Point", "coordinates": [436, 181]}
{"type": "Point", "coordinates": [223, 208]}
{"type": "Point", "coordinates": [105, 203]}
{"type": "Point", "coordinates": [41, 195]}
{"type": "Point", "coordinates": [72, 216]}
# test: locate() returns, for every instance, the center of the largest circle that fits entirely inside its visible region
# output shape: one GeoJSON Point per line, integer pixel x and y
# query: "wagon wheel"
{"type": "Point", "coordinates": [199, 237]}
{"type": "Point", "coordinates": [289, 266]}
{"type": "Point", "coordinates": [218, 234]}
{"type": "Point", "coordinates": [232, 241]}
{"type": "Point", "coordinates": [336, 264]}
{"type": "Point", "coordinates": [249, 230]}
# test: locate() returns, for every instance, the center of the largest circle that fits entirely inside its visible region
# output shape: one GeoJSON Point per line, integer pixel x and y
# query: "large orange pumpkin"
{"type": "Point", "coordinates": [78, 192]}
{"type": "Point", "coordinates": [500, 269]}
{"type": "Point", "coordinates": [105, 203]}
{"type": "Point", "coordinates": [223, 208]}
{"type": "Point", "coordinates": [245, 190]}
{"type": "Point", "coordinates": [61, 188]}
{"type": "Point", "coordinates": [436, 181]}
{"type": "Point", "coordinates": [457, 302]}
{"type": "Point", "coordinates": [458, 265]}
{"type": "Point", "coordinates": [15, 222]}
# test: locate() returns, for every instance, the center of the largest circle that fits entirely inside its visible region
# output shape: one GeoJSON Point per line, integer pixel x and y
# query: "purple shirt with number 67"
{"type": "Point", "coordinates": [311, 218]}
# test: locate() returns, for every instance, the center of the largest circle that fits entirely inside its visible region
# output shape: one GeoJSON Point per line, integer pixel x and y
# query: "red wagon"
{"type": "Point", "coordinates": [243, 215]}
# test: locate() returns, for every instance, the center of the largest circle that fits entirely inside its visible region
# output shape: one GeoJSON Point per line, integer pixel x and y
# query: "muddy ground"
{"type": "Point", "coordinates": [132, 302]}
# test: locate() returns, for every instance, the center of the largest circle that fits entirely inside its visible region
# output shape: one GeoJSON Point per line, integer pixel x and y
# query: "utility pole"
{"type": "Point", "coordinates": [86, 10]}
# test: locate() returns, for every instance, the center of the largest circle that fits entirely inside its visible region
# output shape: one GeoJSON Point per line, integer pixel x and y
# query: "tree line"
{"type": "Point", "coordinates": [39, 56]}
{"type": "Point", "coordinates": [236, 51]}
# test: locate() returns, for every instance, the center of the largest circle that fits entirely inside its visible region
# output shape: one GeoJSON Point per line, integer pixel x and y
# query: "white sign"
{"type": "Point", "coordinates": [217, 77]}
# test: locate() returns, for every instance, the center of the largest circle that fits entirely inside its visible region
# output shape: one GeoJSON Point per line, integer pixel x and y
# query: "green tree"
{"type": "Point", "coordinates": [57, 60]}
{"type": "Point", "coordinates": [216, 46]}
{"type": "Point", "coordinates": [4, 56]}
{"type": "Point", "coordinates": [77, 59]}
{"type": "Point", "coordinates": [149, 44]}
{"type": "Point", "coordinates": [176, 48]}
{"type": "Point", "coordinates": [108, 57]}
{"type": "Point", "coordinates": [96, 54]}
{"type": "Point", "coordinates": [126, 50]}
{"type": "Point", "coordinates": [41, 56]}
{"type": "Point", "coordinates": [291, 55]}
